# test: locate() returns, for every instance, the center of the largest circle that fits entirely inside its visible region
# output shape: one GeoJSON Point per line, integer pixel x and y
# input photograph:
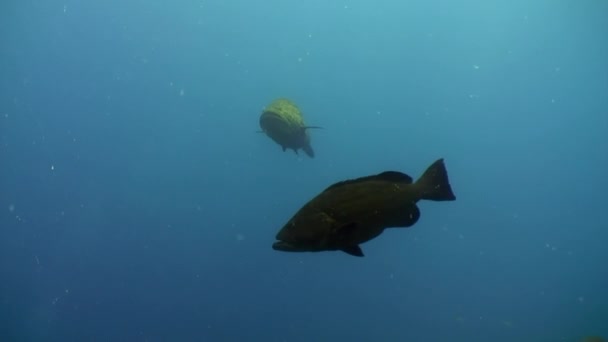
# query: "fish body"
{"type": "Point", "coordinates": [282, 122]}
{"type": "Point", "coordinates": [352, 212]}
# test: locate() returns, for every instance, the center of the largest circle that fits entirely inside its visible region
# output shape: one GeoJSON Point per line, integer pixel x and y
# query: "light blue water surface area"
{"type": "Point", "coordinates": [138, 202]}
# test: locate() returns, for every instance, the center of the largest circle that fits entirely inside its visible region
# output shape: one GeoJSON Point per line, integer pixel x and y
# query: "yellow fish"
{"type": "Point", "coordinates": [282, 121]}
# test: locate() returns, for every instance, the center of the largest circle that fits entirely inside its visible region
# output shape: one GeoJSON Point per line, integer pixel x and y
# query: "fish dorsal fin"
{"type": "Point", "coordinates": [394, 176]}
{"type": "Point", "coordinates": [387, 176]}
{"type": "Point", "coordinates": [353, 250]}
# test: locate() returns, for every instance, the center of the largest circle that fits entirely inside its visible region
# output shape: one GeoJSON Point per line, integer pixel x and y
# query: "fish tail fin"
{"type": "Point", "coordinates": [309, 151]}
{"type": "Point", "coordinates": [434, 184]}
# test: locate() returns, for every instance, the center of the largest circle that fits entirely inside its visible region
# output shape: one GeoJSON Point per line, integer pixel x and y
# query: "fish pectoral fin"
{"type": "Point", "coordinates": [353, 250]}
{"type": "Point", "coordinates": [345, 229]}
{"type": "Point", "coordinates": [409, 217]}
{"type": "Point", "coordinates": [284, 148]}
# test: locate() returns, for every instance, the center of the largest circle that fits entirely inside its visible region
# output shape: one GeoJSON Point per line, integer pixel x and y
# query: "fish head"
{"type": "Point", "coordinates": [305, 234]}
{"type": "Point", "coordinates": [285, 132]}
{"type": "Point", "coordinates": [274, 125]}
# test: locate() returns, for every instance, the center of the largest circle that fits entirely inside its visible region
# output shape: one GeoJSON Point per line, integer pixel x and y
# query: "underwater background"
{"type": "Point", "coordinates": [138, 202]}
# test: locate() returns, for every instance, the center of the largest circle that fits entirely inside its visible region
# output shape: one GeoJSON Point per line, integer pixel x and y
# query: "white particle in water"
{"type": "Point", "coordinates": [11, 208]}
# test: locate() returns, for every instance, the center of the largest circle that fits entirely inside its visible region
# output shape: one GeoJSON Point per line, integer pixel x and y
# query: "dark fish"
{"type": "Point", "coordinates": [352, 212]}
{"type": "Point", "coordinates": [282, 121]}
{"type": "Point", "coordinates": [593, 339]}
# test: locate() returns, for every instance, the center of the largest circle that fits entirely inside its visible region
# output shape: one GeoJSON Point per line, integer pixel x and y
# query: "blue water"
{"type": "Point", "coordinates": [138, 203]}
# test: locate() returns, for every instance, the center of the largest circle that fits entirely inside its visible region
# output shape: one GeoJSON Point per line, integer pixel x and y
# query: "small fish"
{"type": "Point", "coordinates": [282, 121]}
{"type": "Point", "coordinates": [352, 212]}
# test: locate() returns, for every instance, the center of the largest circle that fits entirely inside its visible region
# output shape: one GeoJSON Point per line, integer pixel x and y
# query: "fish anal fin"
{"type": "Point", "coordinates": [353, 250]}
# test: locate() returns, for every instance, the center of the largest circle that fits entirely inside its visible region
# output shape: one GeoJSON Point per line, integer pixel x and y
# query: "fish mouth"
{"type": "Point", "coordinates": [285, 247]}
{"type": "Point", "coordinates": [272, 115]}
{"type": "Point", "coordinates": [273, 120]}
